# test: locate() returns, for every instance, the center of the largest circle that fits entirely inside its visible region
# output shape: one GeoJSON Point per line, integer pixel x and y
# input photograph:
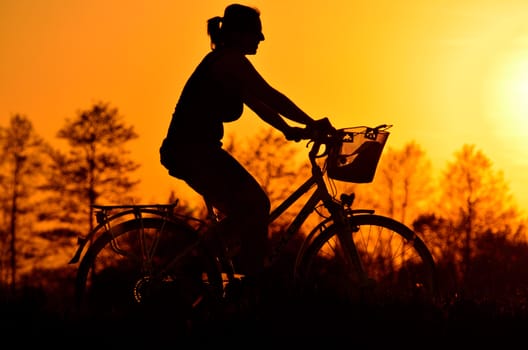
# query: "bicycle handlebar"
{"type": "Point", "coordinates": [322, 132]}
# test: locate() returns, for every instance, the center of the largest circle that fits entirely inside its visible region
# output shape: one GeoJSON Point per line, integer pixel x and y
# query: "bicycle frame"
{"type": "Point", "coordinates": [337, 215]}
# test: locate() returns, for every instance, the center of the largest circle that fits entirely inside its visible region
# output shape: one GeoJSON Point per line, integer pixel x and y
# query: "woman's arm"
{"type": "Point", "coordinates": [258, 95]}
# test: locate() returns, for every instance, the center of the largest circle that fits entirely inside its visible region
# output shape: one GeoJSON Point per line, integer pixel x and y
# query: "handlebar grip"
{"type": "Point", "coordinates": [323, 123]}
{"type": "Point", "coordinates": [320, 128]}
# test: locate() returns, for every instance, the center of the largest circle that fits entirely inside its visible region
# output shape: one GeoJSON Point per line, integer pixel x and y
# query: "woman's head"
{"type": "Point", "coordinates": [240, 27]}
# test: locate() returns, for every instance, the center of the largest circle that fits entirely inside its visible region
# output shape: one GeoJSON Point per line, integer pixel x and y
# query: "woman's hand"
{"type": "Point", "coordinates": [295, 134]}
{"type": "Point", "coordinates": [317, 129]}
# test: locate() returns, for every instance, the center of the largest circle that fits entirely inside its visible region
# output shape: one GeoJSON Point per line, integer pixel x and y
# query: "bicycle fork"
{"type": "Point", "coordinates": [345, 231]}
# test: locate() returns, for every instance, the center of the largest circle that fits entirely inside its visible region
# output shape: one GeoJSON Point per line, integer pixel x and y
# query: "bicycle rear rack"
{"type": "Point", "coordinates": [105, 214]}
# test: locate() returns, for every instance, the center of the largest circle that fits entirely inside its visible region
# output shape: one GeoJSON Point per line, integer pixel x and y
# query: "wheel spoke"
{"type": "Point", "coordinates": [399, 266]}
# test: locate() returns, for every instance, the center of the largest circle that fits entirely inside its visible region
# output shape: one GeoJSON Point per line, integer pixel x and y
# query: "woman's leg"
{"type": "Point", "coordinates": [224, 182]}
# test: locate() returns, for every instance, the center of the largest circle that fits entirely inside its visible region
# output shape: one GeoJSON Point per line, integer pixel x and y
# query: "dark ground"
{"type": "Point", "coordinates": [276, 321]}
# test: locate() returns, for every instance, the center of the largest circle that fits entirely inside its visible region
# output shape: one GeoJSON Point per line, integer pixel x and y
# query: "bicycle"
{"type": "Point", "coordinates": [156, 257]}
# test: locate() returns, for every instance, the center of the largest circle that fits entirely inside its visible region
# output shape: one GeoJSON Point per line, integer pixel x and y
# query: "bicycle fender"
{"type": "Point", "coordinates": [81, 242]}
{"type": "Point", "coordinates": [320, 227]}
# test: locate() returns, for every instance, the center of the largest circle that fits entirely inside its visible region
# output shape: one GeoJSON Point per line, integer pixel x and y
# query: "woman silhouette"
{"type": "Point", "coordinates": [223, 82]}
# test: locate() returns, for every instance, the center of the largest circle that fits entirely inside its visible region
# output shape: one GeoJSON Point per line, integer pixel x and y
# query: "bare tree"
{"type": "Point", "coordinates": [406, 175]}
{"type": "Point", "coordinates": [21, 162]}
{"type": "Point", "coordinates": [475, 200]}
{"type": "Point", "coordinates": [97, 167]}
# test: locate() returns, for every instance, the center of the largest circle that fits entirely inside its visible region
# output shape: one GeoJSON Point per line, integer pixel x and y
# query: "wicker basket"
{"type": "Point", "coordinates": [355, 157]}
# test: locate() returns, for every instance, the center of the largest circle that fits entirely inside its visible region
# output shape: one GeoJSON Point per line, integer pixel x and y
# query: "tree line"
{"type": "Point", "coordinates": [466, 214]}
{"type": "Point", "coordinates": [47, 192]}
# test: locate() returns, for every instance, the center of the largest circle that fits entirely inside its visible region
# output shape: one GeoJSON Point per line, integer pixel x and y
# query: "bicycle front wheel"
{"type": "Point", "coordinates": [398, 265]}
{"type": "Point", "coordinates": [145, 265]}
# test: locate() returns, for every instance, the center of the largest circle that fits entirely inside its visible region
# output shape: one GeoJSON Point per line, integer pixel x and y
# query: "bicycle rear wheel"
{"type": "Point", "coordinates": [146, 265]}
{"type": "Point", "coordinates": [399, 265]}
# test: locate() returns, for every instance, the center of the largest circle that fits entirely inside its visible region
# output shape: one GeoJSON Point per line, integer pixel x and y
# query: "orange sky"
{"type": "Point", "coordinates": [444, 73]}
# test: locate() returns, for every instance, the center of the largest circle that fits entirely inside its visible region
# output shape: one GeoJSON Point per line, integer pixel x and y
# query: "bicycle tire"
{"type": "Point", "coordinates": [120, 285]}
{"type": "Point", "coordinates": [400, 267]}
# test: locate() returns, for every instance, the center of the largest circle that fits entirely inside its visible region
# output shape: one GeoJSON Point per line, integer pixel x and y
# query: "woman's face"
{"type": "Point", "coordinates": [250, 39]}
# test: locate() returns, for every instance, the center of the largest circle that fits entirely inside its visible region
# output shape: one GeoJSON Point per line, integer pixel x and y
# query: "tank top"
{"type": "Point", "coordinates": [206, 102]}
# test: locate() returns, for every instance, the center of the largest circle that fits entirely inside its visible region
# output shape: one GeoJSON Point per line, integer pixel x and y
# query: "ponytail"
{"type": "Point", "coordinates": [214, 30]}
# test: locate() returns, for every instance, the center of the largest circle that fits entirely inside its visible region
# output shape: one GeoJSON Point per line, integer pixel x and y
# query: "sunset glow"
{"type": "Point", "coordinates": [510, 103]}
{"type": "Point", "coordinates": [443, 73]}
